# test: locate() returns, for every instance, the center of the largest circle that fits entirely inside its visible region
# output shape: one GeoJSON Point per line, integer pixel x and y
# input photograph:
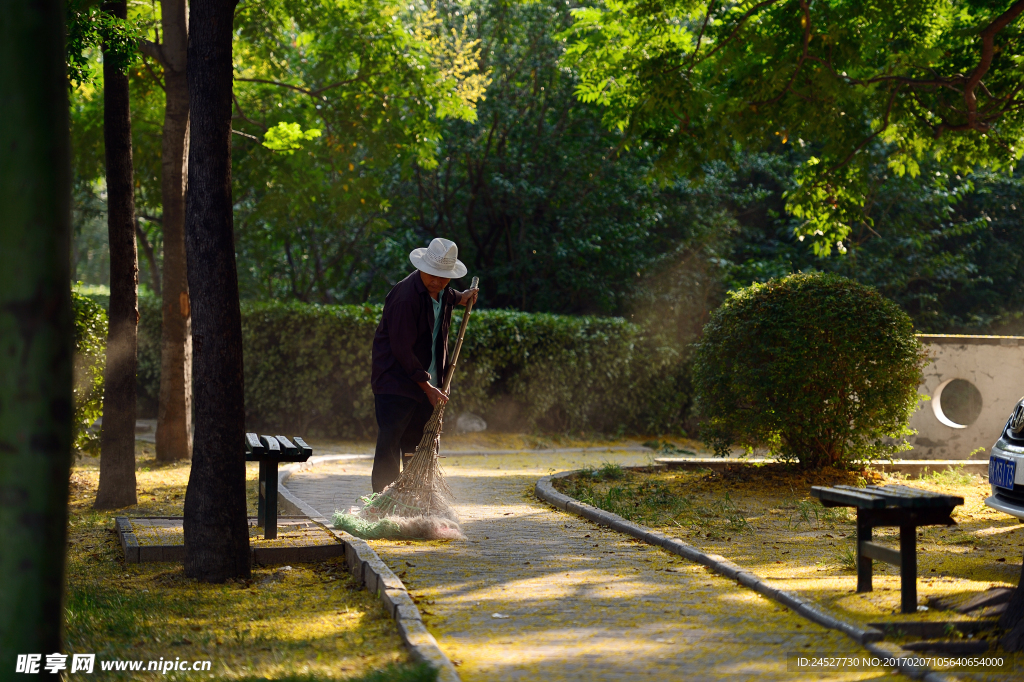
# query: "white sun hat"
{"type": "Point", "coordinates": [440, 259]}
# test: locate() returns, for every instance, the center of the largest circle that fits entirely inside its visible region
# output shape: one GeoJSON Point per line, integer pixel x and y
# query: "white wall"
{"type": "Point", "coordinates": [995, 366]}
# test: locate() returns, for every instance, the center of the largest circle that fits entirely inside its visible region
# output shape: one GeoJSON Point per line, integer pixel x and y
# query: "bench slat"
{"type": "Point", "coordinates": [891, 499]}
{"type": "Point", "coordinates": [273, 448]}
{"type": "Point", "coordinates": [304, 450]}
{"type": "Point", "coordinates": [931, 499]}
{"type": "Point", "coordinates": [850, 498]}
{"type": "Point", "coordinates": [253, 447]}
{"type": "Point", "coordinates": [287, 448]}
{"type": "Point", "coordinates": [903, 496]}
{"type": "Point", "coordinates": [276, 448]}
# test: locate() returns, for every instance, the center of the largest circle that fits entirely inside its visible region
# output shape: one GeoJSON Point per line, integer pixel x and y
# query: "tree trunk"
{"type": "Point", "coordinates": [117, 435]}
{"type": "Point", "coordinates": [35, 327]}
{"type": "Point", "coordinates": [174, 422]}
{"type": "Point", "coordinates": [216, 529]}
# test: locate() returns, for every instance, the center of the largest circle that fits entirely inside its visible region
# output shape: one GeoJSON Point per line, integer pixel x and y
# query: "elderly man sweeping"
{"type": "Point", "coordinates": [410, 354]}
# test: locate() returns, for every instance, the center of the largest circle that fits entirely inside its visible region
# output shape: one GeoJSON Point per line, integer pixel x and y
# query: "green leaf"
{"type": "Point", "coordinates": [286, 137]}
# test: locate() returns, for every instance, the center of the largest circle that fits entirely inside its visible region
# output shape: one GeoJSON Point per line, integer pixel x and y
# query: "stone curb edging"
{"type": "Point", "coordinates": [868, 638]}
{"type": "Point", "coordinates": [364, 563]}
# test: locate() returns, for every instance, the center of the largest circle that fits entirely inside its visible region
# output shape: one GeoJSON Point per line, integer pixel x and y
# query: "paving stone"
{"type": "Point", "coordinates": [536, 593]}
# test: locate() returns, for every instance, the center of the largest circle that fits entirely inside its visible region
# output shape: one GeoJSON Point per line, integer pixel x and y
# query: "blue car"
{"type": "Point", "coordinates": [1006, 467]}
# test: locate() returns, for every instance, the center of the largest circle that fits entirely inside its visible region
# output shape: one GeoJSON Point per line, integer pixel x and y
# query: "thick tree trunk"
{"type": "Point", "coordinates": [216, 531]}
{"type": "Point", "coordinates": [35, 327]}
{"type": "Point", "coordinates": [117, 435]}
{"type": "Point", "coordinates": [174, 423]}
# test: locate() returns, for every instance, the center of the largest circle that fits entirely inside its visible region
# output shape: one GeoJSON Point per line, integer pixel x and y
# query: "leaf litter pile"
{"type": "Point", "coordinates": [303, 623]}
{"type": "Point", "coordinates": [764, 518]}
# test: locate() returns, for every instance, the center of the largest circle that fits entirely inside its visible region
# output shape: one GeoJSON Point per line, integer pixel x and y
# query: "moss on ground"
{"type": "Point", "coordinates": [764, 518]}
{"type": "Point", "coordinates": [308, 623]}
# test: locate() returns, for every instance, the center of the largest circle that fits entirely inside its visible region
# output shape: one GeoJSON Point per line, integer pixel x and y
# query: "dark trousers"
{"type": "Point", "coordinates": [400, 423]}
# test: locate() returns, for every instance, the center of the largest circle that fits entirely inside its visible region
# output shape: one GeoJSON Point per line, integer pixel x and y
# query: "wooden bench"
{"type": "Point", "coordinates": [891, 505]}
{"type": "Point", "coordinates": [270, 451]}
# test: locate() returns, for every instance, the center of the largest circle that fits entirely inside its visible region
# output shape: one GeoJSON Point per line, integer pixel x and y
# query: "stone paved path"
{"type": "Point", "coordinates": [537, 594]}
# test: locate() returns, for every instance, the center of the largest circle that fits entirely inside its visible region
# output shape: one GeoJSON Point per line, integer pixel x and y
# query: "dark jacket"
{"type": "Point", "coordinates": [401, 345]}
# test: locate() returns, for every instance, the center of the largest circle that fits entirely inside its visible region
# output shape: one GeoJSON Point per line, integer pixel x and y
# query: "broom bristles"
{"type": "Point", "coordinates": [421, 489]}
{"type": "Point", "coordinates": [417, 505]}
{"type": "Point", "coordinates": [426, 527]}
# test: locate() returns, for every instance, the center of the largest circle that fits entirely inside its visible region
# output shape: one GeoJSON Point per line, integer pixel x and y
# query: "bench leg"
{"type": "Point", "coordinates": [270, 528]}
{"type": "Point", "coordinates": [863, 562]}
{"type": "Point", "coordinates": [908, 568]}
{"type": "Point", "coordinates": [261, 492]}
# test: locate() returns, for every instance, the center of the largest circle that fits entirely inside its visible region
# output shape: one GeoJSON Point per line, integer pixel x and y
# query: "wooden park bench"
{"type": "Point", "coordinates": [270, 451]}
{"type": "Point", "coordinates": [891, 505]}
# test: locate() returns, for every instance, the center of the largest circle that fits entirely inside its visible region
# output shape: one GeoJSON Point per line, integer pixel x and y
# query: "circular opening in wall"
{"type": "Point", "coordinates": [957, 403]}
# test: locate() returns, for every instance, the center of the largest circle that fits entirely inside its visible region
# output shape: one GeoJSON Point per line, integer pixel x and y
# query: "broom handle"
{"type": "Point", "coordinates": [458, 344]}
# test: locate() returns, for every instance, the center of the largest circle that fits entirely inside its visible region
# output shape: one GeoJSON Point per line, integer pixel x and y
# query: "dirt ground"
{"type": "Point", "coordinates": [765, 519]}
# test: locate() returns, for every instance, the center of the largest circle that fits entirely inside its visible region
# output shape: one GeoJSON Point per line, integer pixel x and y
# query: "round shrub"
{"type": "Point", "coordinates": [814, 368]}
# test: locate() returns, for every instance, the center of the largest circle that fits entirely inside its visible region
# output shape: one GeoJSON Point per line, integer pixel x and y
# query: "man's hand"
{"type": "Point", "coordinates": [434, 394]}
{"type": "Point", "coordinates": [467, 296]}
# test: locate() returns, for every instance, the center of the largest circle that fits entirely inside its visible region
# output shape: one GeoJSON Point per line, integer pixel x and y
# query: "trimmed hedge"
{"type": "Point", "coordinates": [307, 370]}
{"type": "Point", "coordinates": [307, 367]}
{"type": "Point", "coordinates": [568, 373]}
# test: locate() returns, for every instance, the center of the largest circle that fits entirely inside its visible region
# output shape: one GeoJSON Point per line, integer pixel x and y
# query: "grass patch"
{"type": "Point", "coordinates": [641, 499]}
{"type": "Point", "coordinates": [812, 513]}
{"type": "Point", "coordinates": [951, 477]}
{"type": "Point", "coordinates": [846, 558]}
{"type": "Point", "coordinates": [764, 518]}
{"type": "Point", "coordinates": [705, 503]}
{"type": "Point", "coordinates": [608, 471]}
{"type": "Point", "coordinates": [309, 622]}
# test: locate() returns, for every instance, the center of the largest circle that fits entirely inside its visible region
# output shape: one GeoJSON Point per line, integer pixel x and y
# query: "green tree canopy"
{"type": "Point", "coordinates": [330, 94]}
{"type": "Point", "coordinates": [331, 200]}
{"type": "Point", "coordinates": [87, 27]}
{"type": "Point", "coordinates": [851, 82]}
{"type": "Point", "coordinates": [946, 247]}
